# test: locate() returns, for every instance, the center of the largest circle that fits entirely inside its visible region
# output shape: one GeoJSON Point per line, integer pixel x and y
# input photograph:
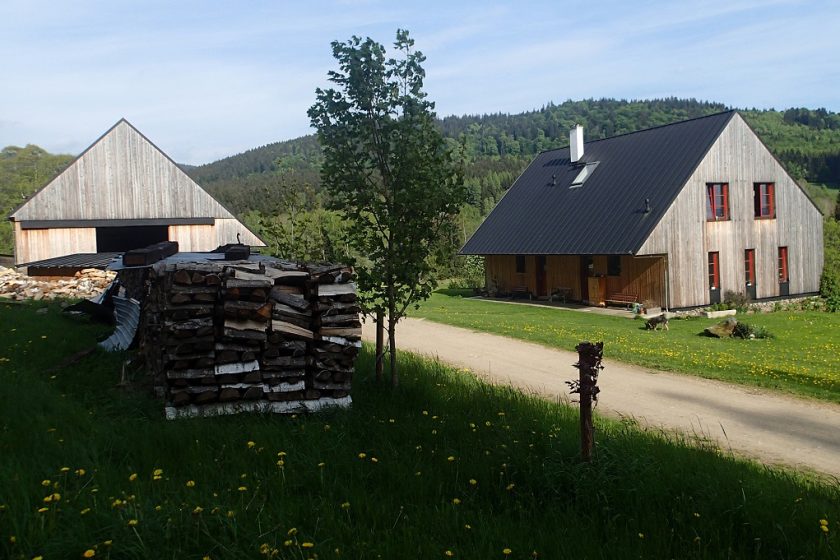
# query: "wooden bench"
{"type": "Point", "coordinates": [561, 294]}
{"type": "Point", "coordinates": [622, 299]}
{"type": "Point", "coordinates": [520, 291]}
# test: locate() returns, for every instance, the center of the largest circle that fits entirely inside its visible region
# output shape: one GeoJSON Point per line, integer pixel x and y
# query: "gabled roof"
{"type": "Point", "coordinates": [541, 214]}
{"type": "Point", "coordinates": [122, 175]}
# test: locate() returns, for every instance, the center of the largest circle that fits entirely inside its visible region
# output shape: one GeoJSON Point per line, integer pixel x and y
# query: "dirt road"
{"type": "Point", "coordinates": [769, 427]}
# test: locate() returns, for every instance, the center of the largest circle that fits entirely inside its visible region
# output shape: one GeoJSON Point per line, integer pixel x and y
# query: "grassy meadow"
{"type": "Point", "coordinates": [802, 358]}
{"type": "Point", "coordinates": [443, 467]}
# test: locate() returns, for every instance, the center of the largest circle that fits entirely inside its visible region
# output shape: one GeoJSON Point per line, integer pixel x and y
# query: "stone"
{"type": "Point", "coordinates": [723, 329]}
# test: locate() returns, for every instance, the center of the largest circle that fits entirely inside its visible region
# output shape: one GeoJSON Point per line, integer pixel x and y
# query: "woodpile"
{"type": "Point", "coordinates": [86, 284]}
{"type": "Point", "coordinates": [269, 336]}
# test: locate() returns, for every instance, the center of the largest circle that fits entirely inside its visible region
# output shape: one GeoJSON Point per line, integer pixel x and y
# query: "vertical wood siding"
{"type": "Point", "coordinates": [641, 276]}
{"type": "Point", "coordinates": [740, 159]}
{"type": "Point", "coordinates": [39, 244]}
{"type": "Point", "coordinates": [206, 237]}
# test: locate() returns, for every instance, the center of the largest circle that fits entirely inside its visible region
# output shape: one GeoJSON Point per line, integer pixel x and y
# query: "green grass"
{"type": "Point", "coordinates": [645, 495]}
{"type": "Point", "coordinates": [803, 358]}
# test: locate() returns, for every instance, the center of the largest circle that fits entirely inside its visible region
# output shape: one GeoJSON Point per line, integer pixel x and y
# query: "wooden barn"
{"type": "Point", "coordinates": [674, 216]}
{"type": "Point", "coordinates": [122, 193]}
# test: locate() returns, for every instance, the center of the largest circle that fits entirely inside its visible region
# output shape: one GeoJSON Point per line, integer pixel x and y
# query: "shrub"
{"type": "Point", "coordinates": [830, 280]}
{"type": "Point", "coordinates": [736, 300]}
{"type": "Point", "coordinates": [469, 271]}
{"type": "Point", "coordinates": [745, 330]}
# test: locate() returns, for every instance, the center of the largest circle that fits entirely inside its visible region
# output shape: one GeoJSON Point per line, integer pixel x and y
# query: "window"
{"type": "Point", "coordinates": [749, 266]}
{"type": "Point", "coordinates": [783, 265]}
{"type": "Point", "coordinates": [714, 271]}
{"type": "Point", "coordinates": [764, 199]}
{"type": "Point", "coordinates": [614, 265]}
{"type": "Point", "coordinates": [520, 264]}
{"type": "Point", "coordinates": [717, 202]}
{"type": "Point", "coordinates": [585, 173]}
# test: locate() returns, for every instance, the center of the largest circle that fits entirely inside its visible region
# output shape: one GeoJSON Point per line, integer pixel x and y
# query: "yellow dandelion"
{"type": "Point", "coordinates": [473, 482]}
{"type": "Point", "coordinates": [506, 551]}
{"type": "Point", "coordinates": [12, 539]}
{"type": "Point", "coordinates": [374, 460]}
{"type": "Point", "coordinates": [281, 453]}
{"type": "Point", "coordinates": [80, 472]}
{"type": "Point", "coordinates": [37, 558]}
{"type": "Point", "coordinates": [641, 535]}
{"type": "Point", "coordinates": [287, 542]}
{"type": "Point", "coordinates": [345, 505]}
{"type": "Point", "coordinates": [467, 526]}
{"type": "Point", "coordinates": [281, 463]}
{"type": "Point", "coordinates": [46, 482]}
{"type": "Point", "coordinates": [362, 455]}
{"type": "Point", "coordinates": [824, 528]}
{"type": "Point", "coordinates": [448, 553]}
{"type": "Point", "coordinates": [43, 510]}
{"type": "Point", "coordinates": [824, 522]}
{"type": "Point", "coordinates": [64, 469]}
{"type": "Point", "coordinates": [158, 508]}
{"type": "Point", "coordinates": [89, 553]}
{"type": "Point", "coordinates": [109, 542]}
{"type": "Point", "coordinates": [132, 522]}
{"type": "Point", "coordinates": [84, 511]}
{"type": "Point", "coordinates": [456, 501]}
{"type": "Point", "coordinates": [132, 477]}
{"type": "Point", "coordinates": [190, 484]}
{"type": "Point", "coordinates": [197, 510]}
{"type": "Point", "coordinates": [292, 532]}
{"type": "Point", "coordinates": [321, 465]}
{"type": "Point", "coordinates": [451, 458]}
{"type": "Point", "coordinates": [251, 445]}
{"type": "Point", "coordinates": [231, 514]}
{"type": "Point", "coordinates": [243, 488]}
{"type": "Point", "coordinates": [47, 499]}
{"type": "Point", "coordinates": [264, 548]}
{"type": "Point", "coordinates": [307, 545]}
{"type": "Point", "coordinates": [207, 557]}
{"type": "Point", "coordinates": [510, 487]}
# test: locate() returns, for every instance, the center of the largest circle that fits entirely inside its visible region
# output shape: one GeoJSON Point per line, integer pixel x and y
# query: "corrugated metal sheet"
{"type": "Point", "coordinates": [541, 215]}
{"type": "Point", "coordinates": [127, 317]}
{"type": "Point", "coordinates": [78, 260]}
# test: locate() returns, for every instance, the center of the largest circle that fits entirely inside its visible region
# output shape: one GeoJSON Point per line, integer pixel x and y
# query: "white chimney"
{"type": "Point", "coordinates": [576, 143]}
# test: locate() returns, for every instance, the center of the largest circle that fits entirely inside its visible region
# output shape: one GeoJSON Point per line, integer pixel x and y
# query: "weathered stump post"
{"type": "Point", "coordinates": [589, 365]}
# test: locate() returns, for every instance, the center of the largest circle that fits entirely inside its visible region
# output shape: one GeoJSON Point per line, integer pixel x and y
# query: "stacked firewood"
{"type": "Point", "coordinates": [337, 320]}
{"type": "Point", "coordinates": [266, 335]}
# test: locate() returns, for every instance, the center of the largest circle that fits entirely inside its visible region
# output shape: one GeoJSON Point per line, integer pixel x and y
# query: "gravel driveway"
{"type": "Point", "coordinates": [770, 427]}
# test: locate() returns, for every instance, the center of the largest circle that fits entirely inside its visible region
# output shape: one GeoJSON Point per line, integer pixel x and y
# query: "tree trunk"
{"type": "Point", "coordinates": [380, 344]}
{"type": "Point", "coordinates": [392, 340]}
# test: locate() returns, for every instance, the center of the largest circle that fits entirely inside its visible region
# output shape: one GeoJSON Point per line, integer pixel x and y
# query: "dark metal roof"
{"type": "Point", "coordinates": [541, 215]}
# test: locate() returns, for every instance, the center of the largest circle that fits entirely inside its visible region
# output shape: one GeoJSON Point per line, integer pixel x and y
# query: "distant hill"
{"type": "Point", "coordinates": [499, 146]}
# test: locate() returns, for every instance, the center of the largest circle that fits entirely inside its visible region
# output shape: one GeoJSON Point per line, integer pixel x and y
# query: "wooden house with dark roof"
{"type": "Point", "coordinates": [122, 193]}
{"type": "Point", "coordinates": [674, 215]}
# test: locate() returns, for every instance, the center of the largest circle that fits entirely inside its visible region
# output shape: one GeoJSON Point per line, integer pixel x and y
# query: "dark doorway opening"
{"type": "Point", "coordinates": [540, 260]}
{"type": "Point", "coordinates": [118, 239]}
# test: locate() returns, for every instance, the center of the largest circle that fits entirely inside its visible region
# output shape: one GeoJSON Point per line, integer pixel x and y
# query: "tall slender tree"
{"type": "Point", "coordinates": [387, 166]}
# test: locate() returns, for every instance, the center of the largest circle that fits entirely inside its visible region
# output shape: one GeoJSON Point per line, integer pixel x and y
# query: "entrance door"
{"type": "Point", "coordinates": [585, 272]}
{"type": "Point", "coordinates": [540, 272]}
{"type": "Point", "coordinates": [714, 278]}
{"type": "Point", "coordinates": [749, 272]}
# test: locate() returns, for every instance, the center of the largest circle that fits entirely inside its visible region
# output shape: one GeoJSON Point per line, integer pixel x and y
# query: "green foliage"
{"type": "Point", "coordinates": [22, 172]}
{"type": "Point", "coordinates": [830, 280]}
{"type": "Point", "coordinates": [736, 300]}
{"type": "Point", "coordinates": [397, 500]}
{"type": "Point", "coordinates": [774, 363]}
{"type": "Point", "coordinates": [389, 169]}
{"type": "Point", "coordinates": [747, 331]}
{"type": "Point", "coordinates": [469, 273]}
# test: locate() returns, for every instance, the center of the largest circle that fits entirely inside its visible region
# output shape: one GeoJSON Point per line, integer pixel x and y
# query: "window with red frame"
{"type": "Point", "coordinates": [717, 201]}
{"type": "Point", "coordinates": [764, 199]}
{"type": "Point", "coordinates": [714, 271]}
{"type": "Point", "coordinates": [783, 265]}
{"type": "Point", "coordinates": [749, 266]}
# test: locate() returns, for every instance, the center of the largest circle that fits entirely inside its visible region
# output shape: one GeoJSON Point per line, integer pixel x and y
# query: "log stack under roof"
{"type": "Point", "coordinates": [266, 336]}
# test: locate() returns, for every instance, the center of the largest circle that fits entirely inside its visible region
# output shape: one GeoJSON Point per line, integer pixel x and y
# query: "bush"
{"type": "Point", "coordinates": [469, 272]}
{"type": "Point", "coordinates": [830, 280]}
{"type": "Point", "coordinates": [745, 330]}
{"type": "Point", "coordinates": [736, 300]}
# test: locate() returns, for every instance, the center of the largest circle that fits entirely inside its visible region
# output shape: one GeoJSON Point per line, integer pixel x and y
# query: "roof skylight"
{"type": "Point", "coordinates": [584, 174]}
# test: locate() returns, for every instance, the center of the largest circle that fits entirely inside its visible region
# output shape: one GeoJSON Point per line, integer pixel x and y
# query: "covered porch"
{"type": "Point", "coordinates": [598, 280]}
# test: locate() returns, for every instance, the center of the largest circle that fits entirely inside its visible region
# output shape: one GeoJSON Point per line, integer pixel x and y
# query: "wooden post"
{"type": "Point", "coordinates": [589, 365]}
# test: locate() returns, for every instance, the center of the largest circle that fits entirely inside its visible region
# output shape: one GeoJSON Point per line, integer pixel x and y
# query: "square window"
{"type": "Point", "coordinates": [614, 265]}
{"type": "Point", "coordinates": [520, 264]}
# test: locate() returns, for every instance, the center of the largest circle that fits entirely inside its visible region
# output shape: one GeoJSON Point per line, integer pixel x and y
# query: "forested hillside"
{"type": "Point", "coordinates": [276, 188]}
{"type": "Point", "coordinates": [22, 172]}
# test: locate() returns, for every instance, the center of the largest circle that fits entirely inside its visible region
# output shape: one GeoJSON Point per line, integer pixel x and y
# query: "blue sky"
{"type": "Point", "coordinates": [204, 80]}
